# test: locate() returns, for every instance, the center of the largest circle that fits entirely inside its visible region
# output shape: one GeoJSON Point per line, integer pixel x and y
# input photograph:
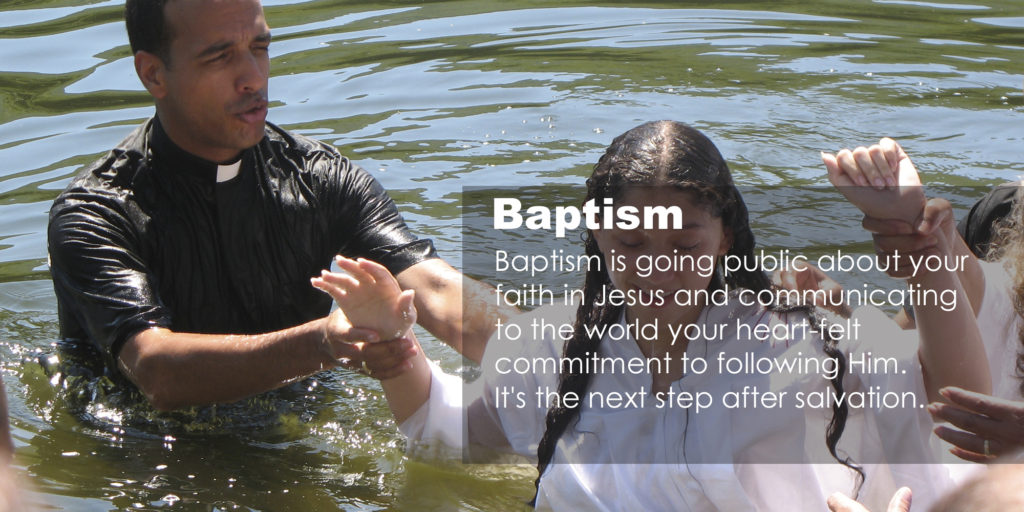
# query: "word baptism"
{"type": "Point", "coordinates": [507, 216]}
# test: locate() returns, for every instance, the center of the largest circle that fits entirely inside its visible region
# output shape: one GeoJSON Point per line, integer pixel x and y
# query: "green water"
{"type": "Point", "coordinates": [432, 97]}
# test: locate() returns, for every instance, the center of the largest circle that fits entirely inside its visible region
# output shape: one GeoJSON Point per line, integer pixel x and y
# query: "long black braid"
{"type": "Point", "coordinates": [667, 153]}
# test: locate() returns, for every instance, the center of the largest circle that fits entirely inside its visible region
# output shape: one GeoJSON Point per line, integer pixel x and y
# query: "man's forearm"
{"type": "Point", "coordinates": [458, 310]}
{"type": "Point", "coordinates": [177, 370]}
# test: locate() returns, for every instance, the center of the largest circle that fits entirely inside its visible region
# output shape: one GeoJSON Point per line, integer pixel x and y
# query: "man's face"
{"type": "Point", "coordinates": [214, 99]}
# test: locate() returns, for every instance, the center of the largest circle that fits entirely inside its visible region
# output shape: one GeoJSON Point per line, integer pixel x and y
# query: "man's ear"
{"type": "Point", "coordinates": [152, 72]}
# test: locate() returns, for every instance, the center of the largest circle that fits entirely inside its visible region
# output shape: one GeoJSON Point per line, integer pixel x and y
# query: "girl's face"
{"type": "Point", "coordinates": [648, 264]}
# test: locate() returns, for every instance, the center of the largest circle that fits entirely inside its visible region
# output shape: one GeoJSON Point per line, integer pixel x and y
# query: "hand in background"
{"type": "Point", "coordinates": [989, 426]}
{"type": "Point", "coordinates": [900, 502]}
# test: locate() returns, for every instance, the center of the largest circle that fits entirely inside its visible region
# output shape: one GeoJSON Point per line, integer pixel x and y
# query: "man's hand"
{"type": "Point", "coordinates": [880, 180]}
{"type": "Point", "coordinates": [369, 297]}
{"type": "Point", "coordinates": [989, 426]}
{"type": "Point", "coordinates": [900, 502]}
{"type": "Point", "coordinates": [361, 349]}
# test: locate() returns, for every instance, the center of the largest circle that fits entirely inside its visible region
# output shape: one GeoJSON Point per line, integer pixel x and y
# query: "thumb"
{"type": "Point", "coordinates": [935, 212]}
{"type": "Point", "coordinates": [407, 306]}
{"type": "Point", "coordinates": [908, 176]}
{"type": "Point", "coordinates": [900, 501]}
{"type": "Point", "coordinates": [839, 502]}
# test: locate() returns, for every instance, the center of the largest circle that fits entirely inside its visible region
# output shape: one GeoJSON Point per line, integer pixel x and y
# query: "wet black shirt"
{"type": "Point", "coordinates": [147, 237]}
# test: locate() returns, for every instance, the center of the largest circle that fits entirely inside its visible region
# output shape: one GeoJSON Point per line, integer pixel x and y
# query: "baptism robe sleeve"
{"type": "Point", "coordinates": [478, 414]}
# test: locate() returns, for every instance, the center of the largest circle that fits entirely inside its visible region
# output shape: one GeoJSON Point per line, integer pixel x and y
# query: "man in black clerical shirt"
{"type": "Point", "coordinates": [185, 254]}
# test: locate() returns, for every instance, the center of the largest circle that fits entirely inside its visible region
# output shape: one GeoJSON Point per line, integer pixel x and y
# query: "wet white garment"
{"type": "Point", "coordinates": [675, 458]}
{"type": "Point", "coordinates": [999, 325]}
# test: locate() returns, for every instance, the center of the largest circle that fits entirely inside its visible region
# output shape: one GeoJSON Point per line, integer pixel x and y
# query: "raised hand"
{"type": "Point", "coordinates": [370, 297]}
{"type": "Point", "coordinates": [989, 426]}
{"type": "Point", "coordinates": [880, 180]}
{"type": "Point", "coordinates": [900, 502]}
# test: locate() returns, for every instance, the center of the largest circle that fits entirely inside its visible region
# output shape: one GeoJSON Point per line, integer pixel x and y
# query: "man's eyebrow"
{"type": "Point", "coordinates": [214, 48]}
{"type": "Point", "coordinates": [220, 46]}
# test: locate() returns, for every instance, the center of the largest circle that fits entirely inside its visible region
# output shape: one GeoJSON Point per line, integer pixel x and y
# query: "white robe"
{"type": "Point", "coordinates": [999, 325]}
{"type": "Point", "coordinates": [717, 459]}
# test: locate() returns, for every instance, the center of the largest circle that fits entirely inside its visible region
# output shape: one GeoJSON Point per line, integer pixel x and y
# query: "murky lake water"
{"type": "Point", "coordinates": [432, 97]}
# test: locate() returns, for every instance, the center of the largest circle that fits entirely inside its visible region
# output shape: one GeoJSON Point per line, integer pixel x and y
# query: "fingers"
{"type": "Point", "coordinates": [382, 360]}
{"type": "Point", "coordinates": [878, 176]}
{"type": "Point", "coordinates": [970, 456]}
{"type": "Point", "coordinates": [336, 292]}
{"type": "Point", "coordinates": [983, 404]}
{"type": "Point", "coordinates": [848, 165]}
{"type": "Point", "coordinates": [839, 502]}
{"type": "Point", "coordinates": [389, 359]}
{"type": "Point", "coordinates": [892, 151]}
{"type": "Point", "coordinates": [967, 446]}
{"type": "Point", "coordinates": [900, 501]}
{"type": "Point", "coordinates": [882, 165]}
{"type": "Point", "coordinates": [897, 253]}
{"type": "Point", "coordinates": [993, 421]}
{"type": "Point", "coordinates": [342, 281]}
{"type": "Point", "coordinates": [887, 226]}
{"type": "Point", "coordinates": [879, 160]}
{"type": "Point", "coordinates": [354, 269]}
{"type": "Point", "coordinates": [867, 167]}
{"type": "Point", "coordinates": [379, 272]}
{"type": "Point", "coordinates": [905, 244]}
{"type": "Point", "coordinates": [835, 175]}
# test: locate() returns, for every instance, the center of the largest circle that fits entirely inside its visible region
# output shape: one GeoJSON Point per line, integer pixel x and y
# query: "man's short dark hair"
{"type": "Point", "coordinates": [147, 28]}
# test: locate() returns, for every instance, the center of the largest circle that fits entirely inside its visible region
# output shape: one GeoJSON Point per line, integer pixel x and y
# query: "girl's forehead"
{"type": "Point", "coordinates": [659, 196]}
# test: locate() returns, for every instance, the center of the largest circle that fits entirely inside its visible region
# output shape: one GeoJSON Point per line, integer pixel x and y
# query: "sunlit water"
{"type": "Point", "coordinates": [431, 98]}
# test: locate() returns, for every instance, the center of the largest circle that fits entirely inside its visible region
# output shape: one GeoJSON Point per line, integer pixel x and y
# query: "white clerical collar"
{"type": "Point", "coordinates": [227, 172]}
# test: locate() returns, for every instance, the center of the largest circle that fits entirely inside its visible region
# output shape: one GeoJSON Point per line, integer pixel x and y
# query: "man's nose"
{"type": "Point", "coordinates": [252, 73]}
